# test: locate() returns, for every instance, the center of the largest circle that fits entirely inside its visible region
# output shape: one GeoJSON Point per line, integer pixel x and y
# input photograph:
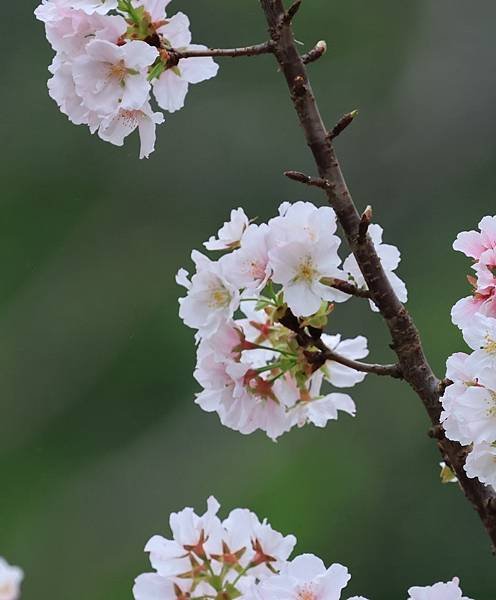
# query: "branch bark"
{"type": "Point", "coordinates": [256, 50]}
{"type": "Point", "coordinates": [405, 338]}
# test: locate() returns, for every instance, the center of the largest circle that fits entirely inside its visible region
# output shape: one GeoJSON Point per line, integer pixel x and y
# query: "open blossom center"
{"type": "Point", "coordinates": [118, 71]}
{"type": "Point", "coordinates": [306, 270]}
{"type": "Point", "coordinates": [490, 345]}
{"type": "Point", "coordinates": [219, 298]}
{"type": "Point", "coordinates": [306, 593]}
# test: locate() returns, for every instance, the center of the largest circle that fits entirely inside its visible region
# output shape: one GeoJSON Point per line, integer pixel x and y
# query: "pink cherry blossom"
{"type": "Point", "coordinates": [109, 77]}
{"type": "Point", "coordinates": [474, 243]}
{"type": "Point", "coordinates": [115, 128]}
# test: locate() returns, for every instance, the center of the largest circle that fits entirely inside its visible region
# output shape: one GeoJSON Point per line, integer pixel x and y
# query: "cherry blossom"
{"type": "Point", "coordinates": [171, 87]}
{"type": "Point", "coordinates": [210, 556]}
{"type": "Point", "coordinates": [474, 243]}
{"type": "Point", "coordinates": [230, 234]}
{"type": "Point", "coordinates": [481, 463]}
{"type": "Point", "coordinates": [299, 268]}
{"type": "Point", "coordinates": [115, 128]}
{"type": "Point", "coordinates": [211, 298]}
{"type": "Point", "coordinates": [438, 591]}
{"type": "Point", "coordinates": [110, 77]}
{"type": "Point", "coordinates": [10, 581]}
{"type": "Point", "coordinates": [390, 259]}
{"type": "Point", "coordinates": [305, 578]}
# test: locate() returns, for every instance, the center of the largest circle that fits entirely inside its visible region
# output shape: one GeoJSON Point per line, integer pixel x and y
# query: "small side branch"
{"type": "Point", "coordinates": [255, 50]}
{"type": "Point", "coordinates": [393, 370]}
{"type": "Point", "coordinates": [307, 180]}
{"type": "Point", "coordinates": [346, 287]}
{"type": "Point", "coordinates": [315, 53]}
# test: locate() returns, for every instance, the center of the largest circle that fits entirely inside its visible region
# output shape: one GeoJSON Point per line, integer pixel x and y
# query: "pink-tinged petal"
{"type": "Point", "coordinates": [104, 51]}
{"type": "Point", "coordinates": [488, 231]}
{"type": "Point", "coordinates": [305, 567]}
{"type": "Point", "coordinates": [170, 91]}
{"type": "Point", "coordinates": [177, 32]}
{"type": "Point", "coordinates": [195, 70]}
{"type": "Point", "coordinates": [136, 89]}
{"type": "Point", "coordinates": [139, 55]}
{"type": "Point", "coordinates": [470, 243]}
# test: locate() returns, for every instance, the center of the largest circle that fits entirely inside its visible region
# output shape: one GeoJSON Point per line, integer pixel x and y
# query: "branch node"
{"type": "Point", "coordinates": [315, 53]}
{"type": "Point", "coordinates": [307, 180]}
{"type": "Point", "coordinates": [365, 221]}
{"type": "Point", "coordinates": [436, 432]}
{"type": "Point", "coordinates": [443, 384]}
{"type": "Point", "coordinates": [342, 124]}
{"type": "Point", "coordinates": [291, 12]}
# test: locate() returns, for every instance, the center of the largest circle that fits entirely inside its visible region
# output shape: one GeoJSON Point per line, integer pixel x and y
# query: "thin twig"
{"type": "Point", "coordinates": [315, 53]}
{"type": "Point", "coordinates": [346, 287]}
{"type": "Point", "coordinates": [307, 180]}
{"type": "Point", "coordinates": [255, 50]}
{"type": "Point", "coordinates": [383, 370]}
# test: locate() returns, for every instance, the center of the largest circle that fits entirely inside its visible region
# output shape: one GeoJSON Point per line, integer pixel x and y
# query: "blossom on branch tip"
{"type": "Point", "coordinates": [230, 234]}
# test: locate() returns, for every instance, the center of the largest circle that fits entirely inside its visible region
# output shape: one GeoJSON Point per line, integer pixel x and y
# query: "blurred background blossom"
{"type": "Point", "coordinates": [99, 436]}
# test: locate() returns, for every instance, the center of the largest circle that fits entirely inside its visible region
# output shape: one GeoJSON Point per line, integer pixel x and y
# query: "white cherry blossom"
{"type": "Point", "coordinates": [299, 268]}
{"type": "Point", "coordinates": [438, 591]}
{"type": "Point", "coordinates": [481, 463]}
{"type": "Point", "coordinates": [306, 578]}
{"type": "Point", "coordinates": [231, 233]}
{"type": "Point", "coordinates": [211, 299]}
{"type": "Point", "coordinates": [10, 581]}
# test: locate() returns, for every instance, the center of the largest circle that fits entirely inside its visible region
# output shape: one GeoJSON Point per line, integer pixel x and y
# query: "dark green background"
{"type": "Point", "coordinates": [99, 436]}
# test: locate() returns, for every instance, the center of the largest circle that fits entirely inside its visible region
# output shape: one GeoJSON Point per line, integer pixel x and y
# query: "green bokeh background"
{"type": "Point", "coordinates": [99, 436]}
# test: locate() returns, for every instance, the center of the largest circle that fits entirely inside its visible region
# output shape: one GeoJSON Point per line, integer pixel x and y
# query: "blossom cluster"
{"type": "Point", "coordinates": [260, 311]}
{"type": "Point", "coordinates": [111, 56]}
{"type": "Point", "coordinates": [469, 403]}
{"type": "Point", "coordinates": [243, 557]}
{"type": "Point", "coordinates": [10, 581]}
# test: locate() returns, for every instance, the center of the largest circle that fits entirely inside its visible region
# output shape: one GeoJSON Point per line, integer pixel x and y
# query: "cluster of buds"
{"type": "Point", "coordinates": [260, 312]}
{"type": "Point", "coordinates": [112, 56]}
{"type": "Point", "coordinates": [469, 403]}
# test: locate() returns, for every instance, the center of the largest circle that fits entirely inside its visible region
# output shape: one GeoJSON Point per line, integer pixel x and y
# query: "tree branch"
{"type": "Point", "coordinates": [346, 287]}
{"type": "Point", "coordinates": [405, 338]}
{"type": "Point", "coordinates": [256, 50]}
{"type": "Point", "coordinates": [383, 370]}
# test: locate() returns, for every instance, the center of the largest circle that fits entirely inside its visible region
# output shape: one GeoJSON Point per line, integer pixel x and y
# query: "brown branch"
{"type": "Point", "coordinates": [255, 50]}
{"type": "Point", "coordinates": [346, 287]}
{"type": "Point", "coordinates": [307, 180]}
{"type": "Point", "coordinates": [405, 338]}
{"type": "Point", "coordinates": [365, 221]}
{"type": "Point", "coordinates": [383, 370]}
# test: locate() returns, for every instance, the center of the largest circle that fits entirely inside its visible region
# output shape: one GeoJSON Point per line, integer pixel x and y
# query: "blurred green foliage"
{"type": "Point", "coordinates": [99, 436]}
